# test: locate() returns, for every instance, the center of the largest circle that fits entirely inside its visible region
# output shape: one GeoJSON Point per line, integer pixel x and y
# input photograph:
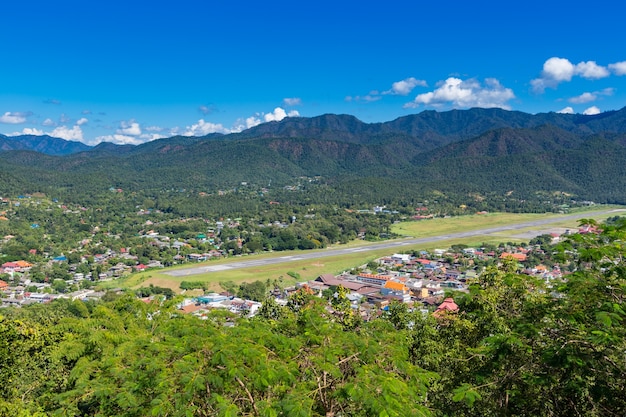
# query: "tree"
{"type": "Point", "coordinates": [255, 291]}
{"type": "Point", "coordinates": [59, 285]}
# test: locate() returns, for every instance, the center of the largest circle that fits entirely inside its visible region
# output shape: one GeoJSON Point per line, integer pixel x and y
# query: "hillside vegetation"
{"type": "Point", "coordinates": [458, 153]}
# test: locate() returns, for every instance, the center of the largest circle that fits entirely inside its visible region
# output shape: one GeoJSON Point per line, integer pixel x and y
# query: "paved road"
{"type": "Point", "coordinates": [238, 263]}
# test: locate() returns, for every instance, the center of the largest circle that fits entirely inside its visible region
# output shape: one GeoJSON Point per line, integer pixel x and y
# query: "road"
{"type": "Point", "coordinates": [238, 263]}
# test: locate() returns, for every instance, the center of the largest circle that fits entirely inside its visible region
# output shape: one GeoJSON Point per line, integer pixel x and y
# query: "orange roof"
{"type": "Point", "coordinates": [191, 308]}
{"type": "Point", "coordinates": [23, 264]}
{"type": "Point", "coordinates": [397, 286]}
{"type": "Point", "coordinates": [381, 277]}
{"type": "Point", "coordinates": [516, 256]}
{"type": "Point", "coordinates": [3, 284]}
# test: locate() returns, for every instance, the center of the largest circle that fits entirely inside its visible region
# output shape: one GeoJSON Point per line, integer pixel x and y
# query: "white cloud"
{"type": "Point", "coordinates": [118, 139]}
{"type": "Point", "coordinates": [28, 131]}
{"type": "Point", "coordinates": [250, 122]}
{"type": "Point", "coordinates": [557, 70]}
{"type": "Point", "coordinates": [404, 87]}
{"type": "Point", "coordinates": [369, 98]}
{"type": "Point", "coordinates": [566, 110]}
{"type": "Point", "coordinates": [588, 97]}
{"type": "Point", "coordinates": [147, 137]}
{"type": "Point", "coordinates": [14, 118]}
{"type": "Point", "coordinates": [468, 93]}
{"type": "Point", "coordinates": [64, 118]}
{"type": "Point", "coordinates": [86, 112]}
{"type": "Point", "coordinates": [130, 128]}
{"type": "Point", "coordinates": [583, 98]}
{"type": "Point", "coordinates": [48, 122]}
{"type": "Point", "coordinates": [618, 68]}
{"type": "Point", "coordinates": [293, 101]}
{"type": "Point", "coordinates": [153, 128]}
{"type": "Point", "coordinates": [591, 111]}
{"type": "Point", "coordinates": [591, 70]}
{"type": "Point", "coordinates": [81, 121]}
{"type": "Point", "coordinates": [63, 132]}
{"type": "Point", "coordinates": [202, 128]}
{"type": "Point", "coordinates": [279, 114]}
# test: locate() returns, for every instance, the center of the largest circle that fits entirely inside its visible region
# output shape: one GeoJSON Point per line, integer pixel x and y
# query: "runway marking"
{"type": "Point", "coordinates": [218, 268]}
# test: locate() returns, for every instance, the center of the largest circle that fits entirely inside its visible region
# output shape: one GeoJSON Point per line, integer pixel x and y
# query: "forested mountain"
{"type": "Point", "coordinates": [43, 144]}
{"type": "Point", "coordinates": [458, 152]}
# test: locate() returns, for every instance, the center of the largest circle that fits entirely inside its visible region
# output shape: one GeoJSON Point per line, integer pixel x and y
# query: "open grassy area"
{"type": "Point", "coordinates": [442, 226]}
{"type": "Point", "coordinates": [310, 269]}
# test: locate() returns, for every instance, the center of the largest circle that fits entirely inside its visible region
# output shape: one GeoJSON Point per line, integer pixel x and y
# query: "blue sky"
{"type": "Point", "coordinates": [134, 71]}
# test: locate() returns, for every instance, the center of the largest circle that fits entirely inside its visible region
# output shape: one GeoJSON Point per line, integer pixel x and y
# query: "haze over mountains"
{"type": "Point", "coordinates": [465, 151]}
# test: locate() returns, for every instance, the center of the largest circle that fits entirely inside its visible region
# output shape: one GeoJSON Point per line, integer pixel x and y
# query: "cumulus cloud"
{"type": "Point", "coordinates": [81, 121]}
{"type": "Point", "coordinates": [129, 128]}
{"type": "Point", "coordinates": [591, 70]}
{"type": "Point", "coordinates": [583, 98]}
{"type": "Point", "coordinates": [14, 118]}
{"type": "Point", "coordinates": [48, 122]}
{"type": "Point", "coordinates": [64, 119]}
{"type": "Point", "coordinates": [247, 123]}
{"type": "Point", "coordinates": [618, 68]}
{"type": "Point", "coordinates": [566, 110]}
{"type": "Point", "coordinates": [404, 87]}
{"type": "Point", "coordinates": [557, 70]}
{"type": "Point", "coordinates": [292, 101]}
{"type": "Point", "coordinates": [118, 139]}
{"type": "Point", "coordinates": [29, 131]}
{"type": "Point", "coordinates": [589, 97]}
{"type": "Point", "coordinates": [591, 111]}
{"type": "Point", "coordinates": [279, 114]}
{"type": "Point", "coordinates": [203, 128]}
{"type": "Point", "coordinates": [64, 132]}
{"type": "Point", "coordinates": [468, 93]}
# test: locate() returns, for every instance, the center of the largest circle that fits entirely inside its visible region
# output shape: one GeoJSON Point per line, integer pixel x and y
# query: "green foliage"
{"type": "Point", "coordinates": [256, 291]}
{"type": "Point", "coordinates": [294, 275]}
{"type": "Point", "coordinates": [154, 290]}
{"type": "Point", "coordinates": [192, 285]}
{"type": "Point", "coordinates": [516, 347]}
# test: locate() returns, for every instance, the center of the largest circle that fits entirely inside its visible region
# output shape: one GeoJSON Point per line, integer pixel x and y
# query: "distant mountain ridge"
{"type": "Point", "coordinates": [42, 144]}
{"type": "Point", "coordinates": [476, 151]}
{"type": "Point", "coordinates": [428, 129]}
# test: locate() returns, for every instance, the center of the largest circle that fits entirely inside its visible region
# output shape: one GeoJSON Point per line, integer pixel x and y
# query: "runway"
{"type": "Point", "coordinates": [238, 263]}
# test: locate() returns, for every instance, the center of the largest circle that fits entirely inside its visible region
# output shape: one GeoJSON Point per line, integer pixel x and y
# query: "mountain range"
{"type": "Point", "coordinates": [462, 151]}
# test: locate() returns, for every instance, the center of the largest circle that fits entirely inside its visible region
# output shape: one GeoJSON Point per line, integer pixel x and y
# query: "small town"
{"type": "Point", "coordinates": [420, 280]}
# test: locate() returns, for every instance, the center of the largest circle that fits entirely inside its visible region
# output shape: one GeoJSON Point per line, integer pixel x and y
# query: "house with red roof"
{"type": "Point", "coordinates": [447, 307]}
